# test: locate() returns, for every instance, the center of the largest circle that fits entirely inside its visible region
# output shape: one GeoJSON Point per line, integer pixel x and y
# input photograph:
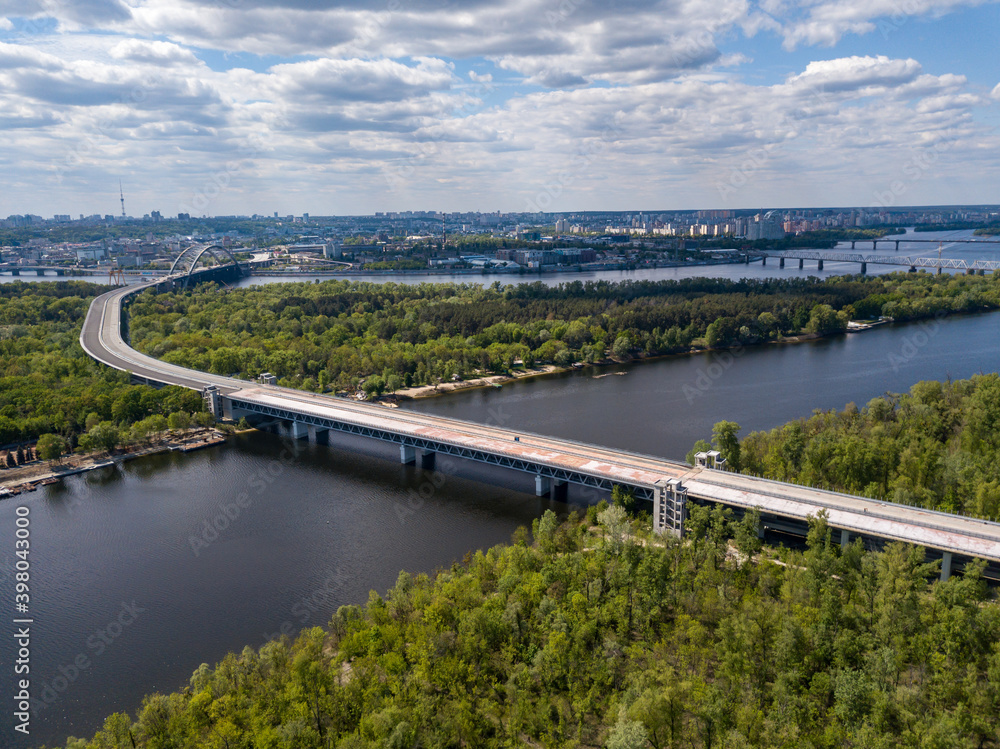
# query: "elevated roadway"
{"type": "Point", "coordinates": [555, 463]}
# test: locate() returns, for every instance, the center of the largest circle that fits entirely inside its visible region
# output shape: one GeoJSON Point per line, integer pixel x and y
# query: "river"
{"type": "Point", "coordinates": [131, 590]}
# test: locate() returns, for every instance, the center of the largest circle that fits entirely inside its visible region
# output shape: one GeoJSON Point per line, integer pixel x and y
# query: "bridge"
{"type": "Point", "coordinates": [42, 270]}
{"type": "Point", "coordinates": [924, 241]}
{"type": "Point", "coordinates": [969, 266]}
{"type": "Point", "coordinates": [554, 463]}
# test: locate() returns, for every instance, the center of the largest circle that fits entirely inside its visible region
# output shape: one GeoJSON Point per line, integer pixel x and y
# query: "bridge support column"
{"type": "Point", "coordinates": [560, 490]}
{"type": "Point", "coordinates": [819, 266]}
{"type": "Point", "coordinates": [864, 268]}
{"type": "Point", "coordinates": [317, 435]}
{"type": "Point", "coordinates": [746, 258]}
{"type": "Point", "coordinates": [781, 263]}
{"type": "Point", "coordinates": [407, 455]}
{"type": "Point", "coordinates": [669, 507]}
{"type": "Point", "coordinates": [763, 260]}
{"type": "Point", "coordinates": [40, 272]}
{"type": "Point", "coordinates": [845, 538]}
{"type": "Point", "coordinates": [874, 245]}
{"type": "Point", "coordinates": [542, 485]}
{"type": "Point", "coordinates": [427, 460]}
{"type": "Point", "coordinates": [297, 430]}
{"type": "Point", "coordinates": [852, 244]}
{"type": "Point", "coordinates": [897, 245]}
{"type": "Point", "coordinates": [945, 566]}
{"type": "Point", "coordinates": [802, 263]}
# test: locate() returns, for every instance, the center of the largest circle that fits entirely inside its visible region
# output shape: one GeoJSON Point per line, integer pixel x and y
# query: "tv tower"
{"type": "Point", "coordinates": [121, 192]}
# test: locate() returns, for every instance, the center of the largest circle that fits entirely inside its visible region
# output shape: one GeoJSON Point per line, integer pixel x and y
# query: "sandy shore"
{"type": "Point", "coordinates": [427, 391]}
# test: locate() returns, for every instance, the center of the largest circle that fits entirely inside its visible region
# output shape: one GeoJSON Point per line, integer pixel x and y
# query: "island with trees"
{"type": "Point", "coordinates": [341, 335]}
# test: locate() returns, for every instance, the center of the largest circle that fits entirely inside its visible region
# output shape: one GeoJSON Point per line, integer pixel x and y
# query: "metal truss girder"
{"type": "Point", "coordinates": [444, 448]}
{"type": "Point", "coordinates": [915, 262]}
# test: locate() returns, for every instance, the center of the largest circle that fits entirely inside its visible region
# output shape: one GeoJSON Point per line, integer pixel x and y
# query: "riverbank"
{"type": "Point", "coordinates": [476, 272]}
{"type": "Point", "coordinates": [30, 476]}
{"type": "Point", "coordinates": [429, 391]}
{"type": "Point", "coordinates": [497, 381]}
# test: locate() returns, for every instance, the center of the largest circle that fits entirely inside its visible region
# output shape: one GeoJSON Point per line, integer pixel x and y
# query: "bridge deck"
{"type": "Point", "coordinates": [101, 338]}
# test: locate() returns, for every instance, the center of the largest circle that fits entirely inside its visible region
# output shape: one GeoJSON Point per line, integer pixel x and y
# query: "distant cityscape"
{"type": "Point", "coordinates": [429, 239]}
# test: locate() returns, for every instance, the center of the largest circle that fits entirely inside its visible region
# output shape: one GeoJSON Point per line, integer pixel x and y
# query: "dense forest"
{"type": "Point", "coordinates": [602, 636]}
{"type": "Point", "coordinates": [937, 446]}
{"type": "Point", "coordinates": [330, 335]}
{"type": "Point", "coordinates": [49, 386]}
{"type": "Point", "coordinates": [978, 227]}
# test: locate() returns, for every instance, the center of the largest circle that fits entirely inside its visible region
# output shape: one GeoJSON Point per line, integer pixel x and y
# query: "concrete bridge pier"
{"type": "Point", "coordinates": [297, 430]}
{"type": "Point", "coordinates": [39, 272]}
{"type": "Point", "coordinates": [560, 490]}
{"type": "Point", "coordinates": [542, 485]}
{"type": "Point", "coordinates": [318, 435]}
{"type": "Point", "coordinates": [845, 538]}
{"type": "Point", "coordinates": [802, 263]}
{"type": "Point", "coordinates": [874, 245]}
{"type": "Point", "coordinates": [945, 566]}
{"type": "Point", "coordinates": [897, 245]}
{"type": "Point", "coordinates": [407, 455]}
{"type": "Point", "coordinates": [820, 265]}
{"type": "Point", "coordinates": [427, 460]}
{"type": "Point", "coordinates": [864, 268]}
{"type": "Point", "coordinates": [763, 260]}
{"type": "Point", "coordinates": [852, 244]}
{"type": "Point", "coordinates": [781, 263]}
{"type": "Point", "coordinates": [15, 272]}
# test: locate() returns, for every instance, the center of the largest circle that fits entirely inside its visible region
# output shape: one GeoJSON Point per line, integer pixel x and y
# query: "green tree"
{"type": "Point", "coordinates": [726, 441]}
{"type": "Point", "coordinates": [374, 385]}
{"type": "Point", "coordinates": [823, 319]}
{"type": "Point", "coordinates": [105, 436]}
{"type": "Point", "coordinates": [393, 383]}
{"type": "Point", "coordinates": [51, 446]}
{"type": "Point", "coordinates": [622, 348]}
{"type": "Point", "coordinates": [627, 734]}
{"type": "Point", "coordinates": [179, 420]}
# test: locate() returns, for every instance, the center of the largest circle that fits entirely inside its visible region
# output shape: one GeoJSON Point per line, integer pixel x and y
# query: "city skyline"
{"type": "Point", "coordinates": [237, 107]}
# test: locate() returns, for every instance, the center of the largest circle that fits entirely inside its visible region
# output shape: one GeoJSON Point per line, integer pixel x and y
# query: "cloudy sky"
{"type": "Point", "coordinates": [245, 106]}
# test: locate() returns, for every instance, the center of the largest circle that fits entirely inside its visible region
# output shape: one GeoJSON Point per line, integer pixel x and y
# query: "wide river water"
{"type": "Point", "coordinates": [132, 587]}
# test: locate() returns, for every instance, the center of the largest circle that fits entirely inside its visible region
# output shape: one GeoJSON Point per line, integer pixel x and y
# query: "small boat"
{"type": "Point", "coordinates": [497, 386]}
